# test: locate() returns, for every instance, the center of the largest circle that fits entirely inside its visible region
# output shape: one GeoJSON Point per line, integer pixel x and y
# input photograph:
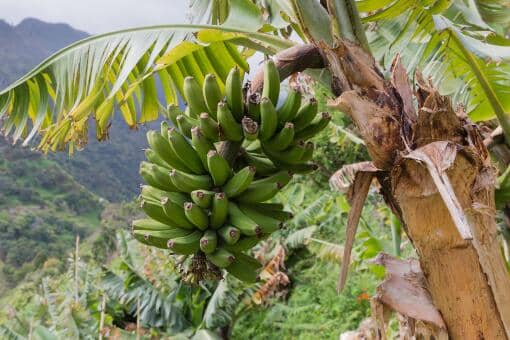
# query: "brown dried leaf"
{"type": "Point", "coordinates": [404, 290]}
{"type": "Point", "coordinates": [400, 82]}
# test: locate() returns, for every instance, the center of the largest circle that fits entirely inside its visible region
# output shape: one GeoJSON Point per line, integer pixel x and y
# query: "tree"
{"type": "Point", "coordinates": [431, 162]}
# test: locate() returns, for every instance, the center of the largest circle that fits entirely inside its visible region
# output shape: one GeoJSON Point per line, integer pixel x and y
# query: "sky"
{"type": "Point", "coordinates": [96, 16]}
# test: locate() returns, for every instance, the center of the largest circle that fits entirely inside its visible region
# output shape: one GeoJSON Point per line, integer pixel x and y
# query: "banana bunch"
{"type": "Point", "coordinates": [197, 202]}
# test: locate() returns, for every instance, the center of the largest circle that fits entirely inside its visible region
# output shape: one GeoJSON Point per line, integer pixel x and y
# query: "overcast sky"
{"type": "Point", "coordinates": [96, 16]}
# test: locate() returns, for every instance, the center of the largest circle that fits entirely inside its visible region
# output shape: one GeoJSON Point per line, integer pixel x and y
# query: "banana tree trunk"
{"type": "Point", "coordinates": [436, 175]}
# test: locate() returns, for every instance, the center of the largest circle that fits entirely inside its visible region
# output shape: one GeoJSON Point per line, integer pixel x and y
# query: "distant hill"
{"type": "Point", "coordinates": [109, 169]}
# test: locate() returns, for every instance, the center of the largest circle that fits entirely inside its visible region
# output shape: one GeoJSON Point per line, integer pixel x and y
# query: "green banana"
{"type": "Point", "coordinates": [264, 166]}
{"type": "Point", "coordinates": [282, 139]}
{"type": "Point", "coordinates": [283, 177]}
{"type": "Point", "coordinates": [185, 151]}
{"type": "Point", "coordinates": [259, 193]}
{"type": "Point", "coordinates": [193, 96]}
{"type": "Point", "coordinates": [175, 213]}
{"type": "Point", "coordinates": [186, 182]}
{"type": "Point", "coordinates": [291, 155]}
{"type": "Point", "coordinates": [212, 94]}
{"type": "Point", "coordinates": [302, 168]}
{"type": "Point", "coordinates": [239, 182]}
{"type": "Point", "coordinates": [159, 177]}
{"type": "Point", "coordinates": [150, 224]}
{"type": "Point", "coordinates": [209, 127]}
{"type": "Point", "coordinates": [314, 128]}
{"type": "Point", "coordinates": [159, 238]}
{"type": "Point", "coordinates": [185, 124]}
{"type": "Point", "coordinates": [221, 258]}
{"type": "Point", "coordinates": [150, 193]}
{"type": "Point", "coordinates": [290, 107]}
{"type": "Point", "coordinates": [155, 211]}
{"type": "Point", "coordinates": [163, 128]}
{"type": "Point", "coordinates": [305, 115]}
{"type": "Point", "coordinates": [219, 210]}
{"type": "Point", "coordinates": [242, 222]}
{"type": "Point", "coordinates": [244, 243]}
{"type": "Point", "coordinates": [254, 106]}
{"type": "Point", "coordinates": [172, 112]}
{"type": "Point", "coordinates": [234, 93]}
{"type": "Point", "coordinates": [245, 268]}
{"type": "Point", "coordinates": [218, 168]}
{"type": "Point", "coordinates": [278, 213]}
{"type": "Point", "coordinates": [250, 128]}
{"type": "Point", "coordinates": [196, 215]}
{"type": "Point", "coordinates": [267, 224]}
{"type": "Point", "coordinates": [185, 245]}
{"type": "Point", "coordinates": [271, 87]}
{"type": "Point", "coordinates": [268, 119]}
{"type": "Point", "coordinates": [308, 154]}
{"type": "Point", "coordinates": [202, 198]}
{"type": "Point", "coordinates": [201, 144]}
{"type": "Point", "coordinates": [251, 145]}
{"type": "Point", "coordinates": [230, 235]}
{"type": "Point", "coordinates": [208, 242]}
{"type": "Point", "coordinates": [153, 157]}
{"type": "Point", "coordinates": [230, 129]}
{"type": "Point", "coordinates": [160, 145]}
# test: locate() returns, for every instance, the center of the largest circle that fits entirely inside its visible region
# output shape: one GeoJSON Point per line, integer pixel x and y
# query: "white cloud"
{"type": "Point", "coordinates": [96, 16]}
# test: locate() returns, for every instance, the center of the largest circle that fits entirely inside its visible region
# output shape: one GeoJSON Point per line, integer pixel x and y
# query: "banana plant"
{"type": "Point", "coordinates": [94, 77]}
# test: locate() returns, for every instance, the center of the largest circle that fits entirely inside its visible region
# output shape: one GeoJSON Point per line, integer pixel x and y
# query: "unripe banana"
{"type": "Point", "coordinates": [219, 210]}
{"type": "Point", "coordinates": [163, 128]}
{"type": "Point", "coordinates": [172, 112]}
{"type": "Point", "coordinates": [234, 93]}
{"type": "Point", "coordinates": [314, 128]}
{"type": "Point", "coordinates": [271, 87]}
{"type": "Point", "coordinates": [291, 155]}
{"type": "Point", "coordinates": [175, 213]}
{"type": "Point", "coordinates": [149, 224]}
{"type": "Point", "coordinates": [259, 193]}
{"type": "Point", "coordinates": [290, 107]}
{"type": "Point", "coordinates": [202, 198]}
{"type": "Point", "coordinates": [153, 157]}
{"type": "Point", "coordinates": [305, 115]}
{"type": "Point", "coordinates": [201, 144]}
{"type": "Point", "coordinates": [254, 106]}
{"type": "Point", "coordinates": [302, 169]}
{"type": "Point", "coordinates": [264, 166]}
{"type": "Point", "coordinates": [269, 210]}
{"type": "Point", "coordinates": [185, 151]}
{"type": "Point", "coordinates": [242, 222]}
{"type": "Point", "coordinates": [159, 238]}
{"type": "Point", "coordinates": [153, 194]}
{"type": "Point", "coordinates": [250, 145]}
{"type": "Point", "coordinates": [193, 96]}
{"type": "Point", "coordinates": [156, 176]}
{"type": "Point", "coordinates": [155, 211]}
{"type": "Point", "coordinates": [282, 139]}
{"type": "Point", "coordinates": [230, 235]}
{"type": "Point", "coordinates": [239, 182]}
{"type": "Point", "coordinates": [186, 182]}
{"type": "Point", "coordinates": [282, 177]}
{"type": "Point", "coordinates": [267, 224]}
{"type": "Point", "coordinates": [268, 119]}
{"type": "Point", "coordinates": [196, 215]}
{"type": "Point", "coordinates": [250, 128]}
{"type": "Point", "coordinates": [308, 155]}
{"type": "Point", "coordinates": [185, 245]}
{"type": "Point", "coordinates": [245, 268]}
{"type": "Point", "coordinates": [212, 94]}
{"type": "Point", "coordinates": [185, 124]}
{"type": "Point", "coordinates": [244, 243]}
{"type": "Point", "coordinates": [230, 129]}
{"type": "Point", "coordinates": [221, 258]}
{"type": "Point", "coordinates": [208, 242]}
{"type": "Point", "coordinates": [218, 168]}
{"type": "Point", "coordinates": [162, 148]}
{"type": "Point", "coordinates": [209, 127]}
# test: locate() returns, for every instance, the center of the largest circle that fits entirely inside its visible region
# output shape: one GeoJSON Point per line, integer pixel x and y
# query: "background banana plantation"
{"type": "Point", "coordinates": [410, 197]}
